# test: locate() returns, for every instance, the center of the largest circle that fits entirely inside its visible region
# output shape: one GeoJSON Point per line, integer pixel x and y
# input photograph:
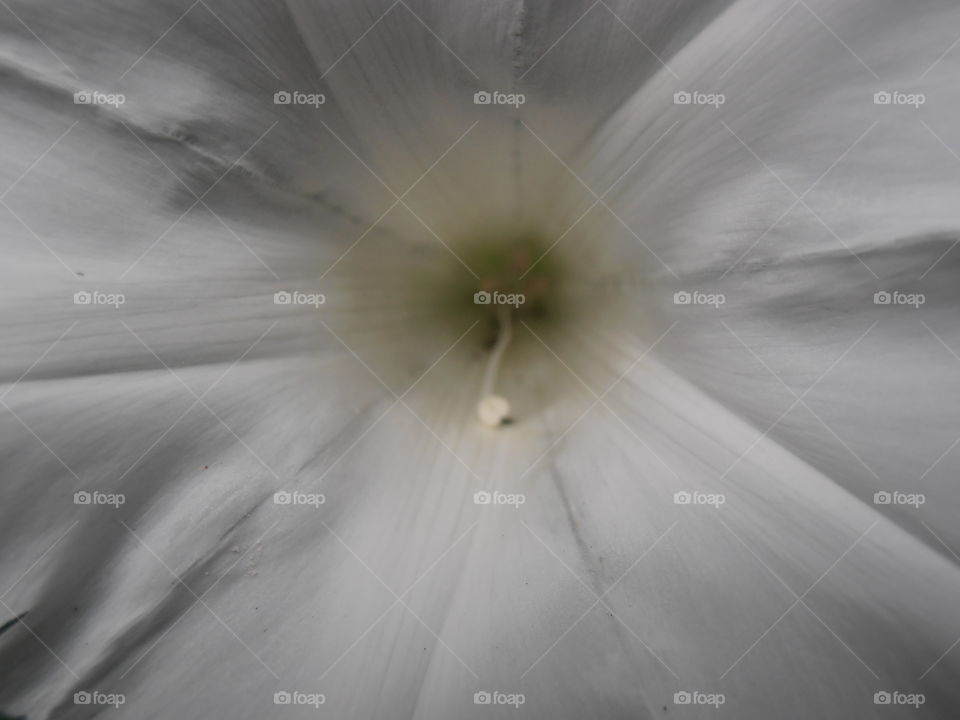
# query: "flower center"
{"type": "Point", "coordinates": [511, 315]}
{"type": "Point", "coordinates": [503, 280]}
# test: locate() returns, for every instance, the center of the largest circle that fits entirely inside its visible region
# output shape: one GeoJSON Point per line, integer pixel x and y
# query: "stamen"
{"type": "Point", "coordinates": [493, 410]}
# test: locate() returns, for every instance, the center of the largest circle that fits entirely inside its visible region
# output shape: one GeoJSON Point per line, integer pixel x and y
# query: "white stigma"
{"type": "Point", "coordinates": [493, 410]}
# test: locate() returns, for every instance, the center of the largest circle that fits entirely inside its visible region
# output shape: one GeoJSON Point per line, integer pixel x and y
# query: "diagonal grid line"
{"type": "Point", "coordinates": [757, 41]}
{"type": "Point", "coordinates": [399, 599]}
{"type": "Point", "coordinates": [37, 561]}
{"type": "Point", "coordinates": [392, 405]}
{"type": "Point", "coordinates": [557, 41]}
{"type": "Point", "coordinates": [399, 198]}
{"type": "Point", "coordinates": [199, 398]}
{"type": "Point", "coordinates": [37, 361]}
{"type": "Point", "coordinates": [640, 40]}
{"type": "Point", "coordinates": [797, 401]}
{"type": "Point", "coordinates": [357, 41]}
{"type": "Point", "coordinates": [597, 201]}
{"type": "Point", "coordinates": [957, 441]}
{"type": "Point", "coordinates": [220, 20]}
{"type": "Point", "coordinates": [39, 639]}
{"type": "Point", "coordinates": [599, 598]}
{"type": "Point", "coordinates": [790, 590]}
{"type": "Point", "coordinates": [439, 39]}
{"type": "Point", "coordinates": [800, 600]}
{"type": "Point", "coordinates": [947, 547]}
{"type": "Point", "coordinates": [600, 200]}
{"type": "Point", "coordinates": [37, 238]}
{"type": "Point", "coordinates": [400, 398]}
{"type": "Point", "coordinates": [939, 59]}
{"type": "Point", "coordinates": [800, 199]}
{"type": "Point", "coordinates": [200, 199]}
{"type": "Point", "coordinates": [29, 30]}
{"type": "Point", "coordinates": [830, 30]}
{"type": "Point", "coordinates": [199, 599]}
{"type": "Point", "coordinates": [39, 439]}
{"type": "Point", "coordinates": [196, 402]}
{"type": "Point", "coordinates": [955, 642]}
{"type": "Point", "coordinates": [599, 399]}
{"type": "Point", "coordinates": [155, 42]}
{"type": "Point", "coordinates": [37, 161]}
{"type": "Point", "coordinates": [194, 603]}
{"type": "Point", "coordinates": [800, 400]}
{"type": "Point", "coordinates": [954, 244]}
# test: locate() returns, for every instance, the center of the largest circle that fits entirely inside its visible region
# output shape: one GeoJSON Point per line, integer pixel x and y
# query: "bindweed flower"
{"type": "Point", "coordinates": [406, 359]}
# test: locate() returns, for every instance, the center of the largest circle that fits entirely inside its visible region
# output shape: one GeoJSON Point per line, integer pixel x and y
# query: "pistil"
{"type": "Point", "coordinates": [494, 410]}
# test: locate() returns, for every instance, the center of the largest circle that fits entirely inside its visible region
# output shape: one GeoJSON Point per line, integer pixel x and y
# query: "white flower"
{"type": "Point", "coordinates": [242, 465]}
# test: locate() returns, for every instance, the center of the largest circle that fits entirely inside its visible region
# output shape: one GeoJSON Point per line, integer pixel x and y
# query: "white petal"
{"type": "Point", "coordinates": [506, 594]}
{"type": "Point", "coordinates": [797, 200]}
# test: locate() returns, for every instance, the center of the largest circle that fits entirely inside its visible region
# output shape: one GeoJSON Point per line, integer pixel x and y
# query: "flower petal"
{"type": "Point", "coordinates": [796, 200]}
{"type": "Point", "coordinates": [494, 597]}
